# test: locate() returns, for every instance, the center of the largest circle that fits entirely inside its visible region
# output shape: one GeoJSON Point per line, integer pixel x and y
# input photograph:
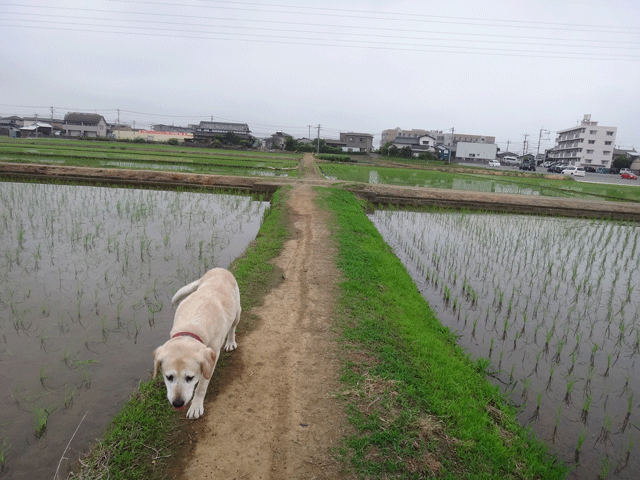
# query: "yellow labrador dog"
{"type": "Point", "coordinates": [209, 313]}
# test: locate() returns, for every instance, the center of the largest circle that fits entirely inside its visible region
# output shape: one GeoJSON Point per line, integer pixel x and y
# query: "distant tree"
{"type": "Point", "coordinates": [406, 152]}
{"type": "Point", "coordinates": [173, 141]}
{"type": "Point", "coordinates": [622, 161]}
{"type": "Point", "coordinates": [290, 144]}
{"type": "Point", "coordinates": [394, 151]}
{"type": "Point", "coordinates": [231, 138]}
{"type": "Point", "coordinates": [384, 149]}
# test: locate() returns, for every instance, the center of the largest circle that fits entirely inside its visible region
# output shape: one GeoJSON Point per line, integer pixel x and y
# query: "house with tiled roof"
{"type": "Point", "coordinates": [207, 131]}
{"type": "Point", "coordinates": [78, 124]}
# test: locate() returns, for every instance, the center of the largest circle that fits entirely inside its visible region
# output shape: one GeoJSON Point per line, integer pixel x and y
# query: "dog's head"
{"type": "Point", "coordinates": [183, 363]}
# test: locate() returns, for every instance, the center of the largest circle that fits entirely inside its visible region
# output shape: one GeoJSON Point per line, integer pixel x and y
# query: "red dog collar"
{"type": "Point", "coordinates": [188, 334]}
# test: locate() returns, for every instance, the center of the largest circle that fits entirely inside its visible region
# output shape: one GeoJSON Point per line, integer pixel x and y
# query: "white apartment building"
{"type": "Point", "coordinates": [586, 144]}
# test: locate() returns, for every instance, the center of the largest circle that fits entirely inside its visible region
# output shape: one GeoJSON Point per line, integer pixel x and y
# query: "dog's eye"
{"type": "Point", "coordinates": [170, 378]}
{"type": "Point", "coordinates": [189, 379]}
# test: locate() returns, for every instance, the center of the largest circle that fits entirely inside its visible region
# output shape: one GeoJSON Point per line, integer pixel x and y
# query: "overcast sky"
{"type": "Point", "coordinates": [502, 68]}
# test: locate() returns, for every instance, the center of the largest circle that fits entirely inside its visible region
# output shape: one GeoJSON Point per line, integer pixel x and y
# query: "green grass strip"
{"type": "Point", "coordinates": [422, 407]}
{"type": "Point", "coordinates": [137, 441]}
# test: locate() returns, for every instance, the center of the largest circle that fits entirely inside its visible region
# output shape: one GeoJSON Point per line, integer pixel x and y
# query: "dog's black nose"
{"type": "Point", "coordinates": [178, 403]}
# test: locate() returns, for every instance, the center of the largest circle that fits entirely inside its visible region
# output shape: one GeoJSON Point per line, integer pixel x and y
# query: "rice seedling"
{"type": "Point", "coordinates": [555, 425]}
{"type": "Point", "coordinates": [605, 467]}
{"type": "Point", "coordinates": [625, 422]}
{"type": "Point", "coordinates": [625, 461]}
{"type": "Point", "coordinates": [4, 452]}
{"type": "Point", "coordinates": [40, 421]}
{"type": "Point", "coordinates": [581, 439]}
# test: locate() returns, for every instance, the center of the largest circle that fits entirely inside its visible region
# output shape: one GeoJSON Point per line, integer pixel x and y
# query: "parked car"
{"type": "Point", "coordinates": [625, 170]}
{"type": "Point", "coordinates": [494, 163]}
{"type": "Point", "coordinates": [629, 175]}
{"type": "Point", "coordinates": [528, 165]}
{"type": "Point", "coordinates": [551, 167]}
{"type": "Point", "coordinates": [559, 168]}
{"type": "Point", "coordinates": [614, 170]}
{"type": "Point", "coordinates": [602, 170]}
{"type": "Point", "coordinates": [574, 171]}
{"type": "Point", "coordinates": [590, 169]}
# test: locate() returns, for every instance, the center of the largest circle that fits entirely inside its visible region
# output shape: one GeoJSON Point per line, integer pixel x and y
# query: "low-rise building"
{"type": "Point", "coordinates": [36, 129]}
{"type": "Point", "coordinates": [422, 144]}
{"type": "Point", "coordinates": [207, 131]}
{"type": "Point", "coordinates": [78, 124]}
{"type": "Point", "coordinates": [469, 151]}
{"type": "Point", "coordinates": [357, 142]}
{"type": "Point", "coordinates": [277, 140]}
{"type": "Point", "coordinates": [150, 135]}
{"type": "Point", "coordinates": [441, 138]}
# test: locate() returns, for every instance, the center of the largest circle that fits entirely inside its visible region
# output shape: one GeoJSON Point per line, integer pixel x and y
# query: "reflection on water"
{"type": "Point", "coordinates": [555, 305]}
{"type": "Point", "coordinates": [194, 168]}
{"type": "Point", "coordinates": [87, 275]}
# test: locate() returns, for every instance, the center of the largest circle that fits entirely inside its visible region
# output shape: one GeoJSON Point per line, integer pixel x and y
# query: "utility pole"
{"type": "Point", "coordinates": [309, 131]}
{"type": "Point", "coordinates": [542, 130]}
{"type": "Point", "coordinates": [51, 114]}
{"type": "Point", "coordinates": [508, 142]}
{"type": "Point", "coordinates": [318, 139]}
{"type": "Point", "coordinates": [118, 116]}
{"type": "Point", "coordinates": [524, 146]}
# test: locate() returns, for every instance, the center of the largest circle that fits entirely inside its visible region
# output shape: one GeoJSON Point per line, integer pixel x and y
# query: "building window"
{"type": "Point", "coordinates": [606, 152]}
{"type": "Point", "coordinates": [591, 142]}
{"type": "Point", "coordinates": [610, 134]}
{"type": "Point", "coordinates": [607, 143]}
{"type": "Point", "coordinates": [593, 132]}
{"type": "Point", "coordinates": [589, 151]}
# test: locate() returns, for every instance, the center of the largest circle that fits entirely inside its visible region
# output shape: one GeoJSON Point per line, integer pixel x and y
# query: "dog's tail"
{"type": "Point", "coordinates": [185, 291]}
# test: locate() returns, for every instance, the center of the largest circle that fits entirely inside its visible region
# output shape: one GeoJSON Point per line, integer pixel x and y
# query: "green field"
{"type": "Point", "coordinates": [131, 155]}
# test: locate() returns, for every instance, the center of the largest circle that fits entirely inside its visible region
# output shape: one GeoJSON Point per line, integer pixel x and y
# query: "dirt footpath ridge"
{"type": "Point", "coordinates": [382, 194]}
{"type": "Point", "coordinates": [275, 415]}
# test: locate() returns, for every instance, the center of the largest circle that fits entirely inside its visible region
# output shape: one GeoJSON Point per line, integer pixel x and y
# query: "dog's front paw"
{"type": "Point", "coordinates": [195, 410]}
{"type": "Point", "coordinates": [230, 346]}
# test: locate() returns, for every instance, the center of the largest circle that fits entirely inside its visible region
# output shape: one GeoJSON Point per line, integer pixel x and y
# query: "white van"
{"type": "Point", "coordinates": [510, 161]}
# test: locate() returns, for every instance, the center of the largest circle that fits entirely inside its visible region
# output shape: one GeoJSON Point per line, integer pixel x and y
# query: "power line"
{"type": "Point", "coordinates": [412, 17]}
{"type": "Point", "coordinates": [557, 26]}
{"type": "Point", "coordinates": [378, 46]}
{"type": "Point", "coordinates": [507, 38]}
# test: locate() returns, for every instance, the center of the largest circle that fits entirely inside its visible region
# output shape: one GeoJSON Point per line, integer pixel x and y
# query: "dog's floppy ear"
{"type": "Point", "coordinates": [157, 360]}
{"type": "Point", "coordinates": [207, 362]}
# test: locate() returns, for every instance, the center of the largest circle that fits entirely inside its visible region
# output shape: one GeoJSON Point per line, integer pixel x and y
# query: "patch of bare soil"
{"type": "Point", "coordinates": [274, 416]}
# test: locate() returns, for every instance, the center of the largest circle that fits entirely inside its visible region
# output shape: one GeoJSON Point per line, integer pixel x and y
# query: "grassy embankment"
{"type": "Point", "coordinates": [421, 406]}
{"type": "Point", "coordinates": [137, 442]}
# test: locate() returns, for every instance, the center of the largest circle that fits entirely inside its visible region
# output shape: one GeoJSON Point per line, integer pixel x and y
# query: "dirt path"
{"type": "Point", "coordinates": [277, 418]}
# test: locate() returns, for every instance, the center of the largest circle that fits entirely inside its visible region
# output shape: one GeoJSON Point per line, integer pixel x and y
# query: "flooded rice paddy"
{"type": "Point", "coordinates": [445, 180]}
{"type": "Point", "coordinates": [553, 305]}
{"type": "Point", "coordinates": [86, 280]}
